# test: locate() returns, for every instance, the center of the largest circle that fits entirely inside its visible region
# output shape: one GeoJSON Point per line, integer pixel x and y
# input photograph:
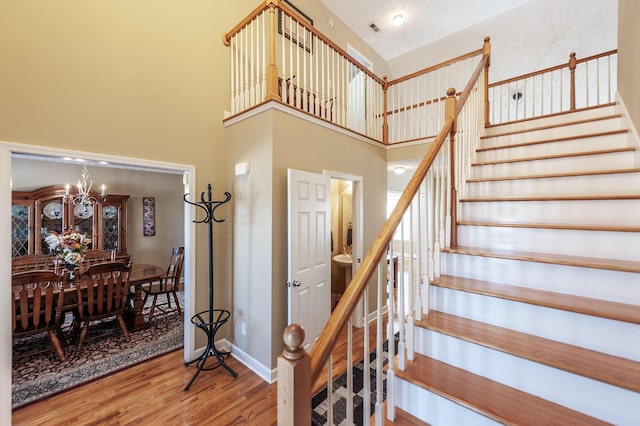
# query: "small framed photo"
{"type": "Point", "coordinates": [149, 216]}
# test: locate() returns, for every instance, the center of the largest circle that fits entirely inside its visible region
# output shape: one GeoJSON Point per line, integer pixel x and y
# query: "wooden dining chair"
{"type": "Point", "coordinates": [168, 286]}
{"type": "Point", "coordinates": [103, 293]}
{"type": "Point", "coordinates": [30, 262]}
{"type": "Point", "coordinates": [38, 306]}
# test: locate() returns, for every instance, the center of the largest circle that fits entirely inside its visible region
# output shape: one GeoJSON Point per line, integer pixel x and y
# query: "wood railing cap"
{"type": "Point", "coordinates": [293, 337]}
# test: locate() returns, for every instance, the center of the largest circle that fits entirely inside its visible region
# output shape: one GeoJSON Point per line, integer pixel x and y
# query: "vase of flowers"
{"type": "Point", "coordinates": [68, 246]}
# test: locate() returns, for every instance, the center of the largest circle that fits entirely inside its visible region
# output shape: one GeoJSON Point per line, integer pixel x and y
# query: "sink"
{"type": "Point", "coordinates": [343, 260]}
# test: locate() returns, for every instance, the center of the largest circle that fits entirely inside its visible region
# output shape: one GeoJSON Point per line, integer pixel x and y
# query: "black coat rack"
{"type": "Point", "coordinates": [216, 317]}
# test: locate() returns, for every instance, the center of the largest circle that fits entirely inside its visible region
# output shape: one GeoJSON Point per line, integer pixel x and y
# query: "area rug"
{"type": "Point", "coordinates": [320, 405]}
{"type": "Point", "coordinates": [38, 375]}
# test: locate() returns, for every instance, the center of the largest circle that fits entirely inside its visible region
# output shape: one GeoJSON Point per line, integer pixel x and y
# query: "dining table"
{"type": "Point", "coordinates": [140, 274]}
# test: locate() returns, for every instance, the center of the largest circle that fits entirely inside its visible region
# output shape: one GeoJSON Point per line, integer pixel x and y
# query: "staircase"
{"type": "Point", "coordinates": [536, 317]}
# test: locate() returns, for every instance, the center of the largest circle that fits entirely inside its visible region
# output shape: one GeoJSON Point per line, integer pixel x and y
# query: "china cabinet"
{"type": "Point", "coordinates": [36, 213]}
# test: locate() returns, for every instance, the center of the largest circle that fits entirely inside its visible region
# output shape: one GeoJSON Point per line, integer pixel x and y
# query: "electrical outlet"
{"type": "Point", "coordinates": [243, 329]}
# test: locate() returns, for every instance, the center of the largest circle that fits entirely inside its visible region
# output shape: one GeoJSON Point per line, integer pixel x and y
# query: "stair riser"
{"type": "Point", "coordinates": [597, 126]}
{"type": "Point", "coordinates": [598, 334]}
{"type": "Point", "coordinates": [585, 395]}
{"type": "Point", "coordinates": [614, 286]}
{"type": "Point", "coordinates": [583, 163]}
{"type": "Point", "coordinates": [554, 120]}
{"type": "Point", "coordinates": [434, 409]}
{"type": "Point", "coordinates": [611, 184]}
{"type": "Point", "coordinates": [581, 212]}
{"type": "Point", "coordinates": [600, 244]}
{"type": "Point", "coordinates": [565, 147]}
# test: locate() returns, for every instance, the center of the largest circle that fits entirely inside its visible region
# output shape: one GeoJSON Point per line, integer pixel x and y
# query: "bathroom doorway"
{"type": "Point", "coordinates": [346, 235]}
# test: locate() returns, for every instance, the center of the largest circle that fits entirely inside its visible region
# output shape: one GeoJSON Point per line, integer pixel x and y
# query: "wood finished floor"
{"type": "Point", "coordinates": [152, 393]}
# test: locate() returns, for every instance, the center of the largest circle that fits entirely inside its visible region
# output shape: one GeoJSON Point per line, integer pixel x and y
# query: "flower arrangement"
{"type": "Point", "coordinates": [68, 246]}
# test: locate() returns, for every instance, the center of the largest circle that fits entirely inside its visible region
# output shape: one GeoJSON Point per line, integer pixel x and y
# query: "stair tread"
{"type": "Point", "coordinates": [554, 156]}
{"type": "Point", "coordinates": [556, 259]}
{"type": "Point", "coordinates": [556, 175]}
{"type": "Point", "coordinates": [490, 398]}
{"type": "Point", "coordinates": [553, 140]}
{"type": "Point", "coordinates": [555, 198]}
{"type": "Point", "coordinates": [550, 126]}
{"type": "Point", "coordinates": [606, 368]}
{"type": "Point", "coordinates": [564, 226]}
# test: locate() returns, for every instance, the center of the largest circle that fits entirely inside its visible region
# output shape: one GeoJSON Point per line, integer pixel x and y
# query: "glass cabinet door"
{"type": "Point", "coordinates": [83, 220]}
{"type": "Point", "coordinates": [110, 228]}
{"type": "Point", "coordinates": [51, 219]}
{"type": "Point", "coordinates": [20, 229]}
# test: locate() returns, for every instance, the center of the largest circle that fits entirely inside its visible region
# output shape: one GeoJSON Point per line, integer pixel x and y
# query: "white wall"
{"type": "Point", "coordinates": [547, 30]}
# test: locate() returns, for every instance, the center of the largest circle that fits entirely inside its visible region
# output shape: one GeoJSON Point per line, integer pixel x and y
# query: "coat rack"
{"type": "Point", "coordinates": [216, 317]}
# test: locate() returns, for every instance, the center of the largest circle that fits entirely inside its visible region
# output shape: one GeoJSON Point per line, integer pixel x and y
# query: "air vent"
{"type": "Point", "coordinates": [374, 27]}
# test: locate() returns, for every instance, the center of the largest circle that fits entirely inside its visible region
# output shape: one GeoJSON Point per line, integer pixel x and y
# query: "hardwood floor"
{"type": "Point", "coordinates": [152, 393]}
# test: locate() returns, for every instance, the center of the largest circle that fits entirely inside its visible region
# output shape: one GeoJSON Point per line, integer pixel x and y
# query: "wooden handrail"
{"type": "Point", "coordinates": [437, 66]}
{"type": "Point", "coordinates": [226, 38]}
{"type": "Point", "coordinates": [554, 68]}
{"type": "Point", "coordinates": [472, 81]}
{"type": "Point", "coordinates": [329, 335]}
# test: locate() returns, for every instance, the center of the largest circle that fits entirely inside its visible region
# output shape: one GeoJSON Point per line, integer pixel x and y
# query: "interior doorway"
{"type": "Point", "coordinates": [346, 235]}
{"type": "Point", "coordinates": [185, 172]}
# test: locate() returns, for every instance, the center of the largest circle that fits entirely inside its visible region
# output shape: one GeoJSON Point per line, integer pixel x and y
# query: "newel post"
{"type": "Point", "coordinates": [450, 112]}
{"type": "Point", "coordinates": [294, 380]}
{"type": "Point", "coordinates": [486, 50]}
{"type": "Point", "coordinates": [572, 73]}
{"type": "Point", "coordinates": [272, 68]}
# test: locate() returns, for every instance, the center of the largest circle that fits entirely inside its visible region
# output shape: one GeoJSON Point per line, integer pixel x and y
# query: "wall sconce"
{"type": "Point", "coordinates": [242, 169]}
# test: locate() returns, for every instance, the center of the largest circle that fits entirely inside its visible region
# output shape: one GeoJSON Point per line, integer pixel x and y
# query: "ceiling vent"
{"type": "Point", "coordinates": [374, 27]}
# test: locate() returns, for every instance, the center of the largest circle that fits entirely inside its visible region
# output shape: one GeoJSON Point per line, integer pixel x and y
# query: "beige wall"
{"type": "Point", "coordinates": [629, 58]}
{"type": "Point", "coordinates": [272, 142]}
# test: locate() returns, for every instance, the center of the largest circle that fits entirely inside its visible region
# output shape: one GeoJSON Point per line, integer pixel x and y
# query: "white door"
{"type": "Point", "coordinates": [309, 277]}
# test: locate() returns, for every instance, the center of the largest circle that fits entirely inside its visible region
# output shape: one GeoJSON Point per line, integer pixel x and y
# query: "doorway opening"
{"type": "Point", "coordinates": [346, 236]}
{"type": "Point", "coordinates": [186, 172]}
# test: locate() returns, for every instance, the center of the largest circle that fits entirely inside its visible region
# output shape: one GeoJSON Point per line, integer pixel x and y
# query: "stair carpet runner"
{"type": "Point", "coordinates": [536, 317]}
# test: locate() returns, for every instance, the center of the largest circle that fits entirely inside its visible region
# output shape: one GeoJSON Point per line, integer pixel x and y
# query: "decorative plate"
{"type": "Point", "coordinates": [109, 212]}
{"type": "Point", "coordinates": [53, 211]}
{"type": "Point", "coordinates": [83, 211]}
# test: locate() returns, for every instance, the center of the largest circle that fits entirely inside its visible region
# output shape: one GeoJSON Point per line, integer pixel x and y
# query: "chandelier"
{"type": "Point", "coordinates": [84, 197]}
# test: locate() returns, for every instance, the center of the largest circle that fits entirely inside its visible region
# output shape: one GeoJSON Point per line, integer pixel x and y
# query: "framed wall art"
{"type": "Point", "coordinates": [148, 216]}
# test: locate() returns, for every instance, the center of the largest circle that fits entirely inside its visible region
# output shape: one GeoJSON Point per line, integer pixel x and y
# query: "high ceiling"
{"type": "Point", "coordinates": [424, 20]}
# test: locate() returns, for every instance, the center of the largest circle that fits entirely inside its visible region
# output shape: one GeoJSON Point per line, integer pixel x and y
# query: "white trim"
{"type": "Point", "coordinates": [137, 163]}
{"type": "Point", "coordinates": [634, 135]}
{"type": "Point", "coordinates": [5, 302]}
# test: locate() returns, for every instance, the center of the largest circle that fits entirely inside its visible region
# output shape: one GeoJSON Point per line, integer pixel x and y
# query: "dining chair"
{"type": "Point", "coordinates": [102, 292]}
{"type": "Point", "coordinates": [168, 286]}
{"type": "Point", "coordinates": [30, 262]}
{"type": "Point", "coordinates": [37, 306]}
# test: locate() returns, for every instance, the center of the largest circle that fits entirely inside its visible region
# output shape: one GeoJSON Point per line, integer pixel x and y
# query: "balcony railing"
{"type": "Point", "coordinates": [577, 84]}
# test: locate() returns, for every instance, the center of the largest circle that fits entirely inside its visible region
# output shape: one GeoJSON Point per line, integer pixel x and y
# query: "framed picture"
{"type": "Point", "coordinates": [149, 216]}
{"type": "Point", "coordinates": [290, 29]}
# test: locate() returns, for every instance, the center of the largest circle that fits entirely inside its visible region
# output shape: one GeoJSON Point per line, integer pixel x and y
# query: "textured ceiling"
{"type": "Point", "coordinates": [424, 20]}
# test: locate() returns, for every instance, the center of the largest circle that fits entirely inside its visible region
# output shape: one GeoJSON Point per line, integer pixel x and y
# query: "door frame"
{"type": "Point", "coordinates": [358, 230]}
{"type": "Point", "coordinates": [188, 173]}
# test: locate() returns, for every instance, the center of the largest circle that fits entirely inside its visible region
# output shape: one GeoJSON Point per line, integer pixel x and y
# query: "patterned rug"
{"type": "Point", "coordinates": [320, 405]}
{"type": "Point", "coordinates": [38, 375]}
